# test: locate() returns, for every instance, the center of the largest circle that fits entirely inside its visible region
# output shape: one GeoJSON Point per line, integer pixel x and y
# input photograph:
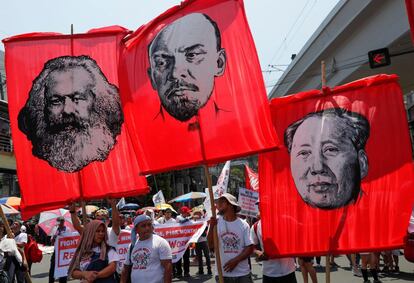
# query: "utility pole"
{"type": "Point", "coordinates": [1, 87]}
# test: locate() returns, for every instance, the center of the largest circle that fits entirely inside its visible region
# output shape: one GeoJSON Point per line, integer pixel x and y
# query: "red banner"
{"type": "Point", "coordinates": [66, 118]}
{"type": "Point", "coordinates": [192, 88]}
{"type": "Point", "coordinates": [344, 180]}
{"type": "Point", "coordinates": [410, 13]}
{"type": "Point", "coordinates": [251, 178]}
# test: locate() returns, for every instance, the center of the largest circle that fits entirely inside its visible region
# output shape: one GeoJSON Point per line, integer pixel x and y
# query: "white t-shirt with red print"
{"type": "Point", "coordinates": [145, 259]}
{"type": "Point", "coordinates": [234, 237]}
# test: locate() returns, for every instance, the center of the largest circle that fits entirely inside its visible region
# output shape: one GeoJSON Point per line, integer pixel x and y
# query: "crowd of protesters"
{"type": "Point", "coordinates": [149, 257]}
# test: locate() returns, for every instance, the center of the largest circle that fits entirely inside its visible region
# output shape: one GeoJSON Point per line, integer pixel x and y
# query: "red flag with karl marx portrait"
{"type": "Point", "coordinates": [67, 123]}
{"type": "Point", "coordinates": [192, 88]}
{"type": "Point", "coordinates": [344, 180]}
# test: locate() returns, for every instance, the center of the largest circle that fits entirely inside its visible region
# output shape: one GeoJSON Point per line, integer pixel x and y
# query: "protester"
{"type": "Point", "coordinates": [150, 213]}
{"type": "Point", "coordinates": [274, 270]}
{"type": "Point", "coordinates": [16, 269]}
{"type": "Point", "coordinates": [371, 260]}
{"type": "Point", "coordinates": [202, 246]}
{"type": "Point", "coordinates": [178, 271]}
{"type": "Point", "coordinates": [103, 216]}
{"type": "Point", "coordinates": [13, 258]}
{"type": "Point", "coordinates": [59, 231]}
{"type": "Point", "coordinates": [234, 240]}
{"type": "Point", "coordinates": [149, 257]}
{"type": "Point", "coordinates": [129, 223]}
{"type": "Point", "coordinates": [306, 267]}
{"type": "Point", "coordinates": [167, 217]}
{"type": "Point", "coordinates": [3, 232]}
{"type": "Point", "coordinates": [94, 260]}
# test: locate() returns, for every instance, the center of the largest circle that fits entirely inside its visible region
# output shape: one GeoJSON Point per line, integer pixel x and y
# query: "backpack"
{"type": "Point", "coordinates": [4, 278]}
{"type": "Point", "coordinates": [32, 251]}
{"type": "Point", "coordinates": [257, 236]}
{"type": "Point", "coordinates": [409, 247]}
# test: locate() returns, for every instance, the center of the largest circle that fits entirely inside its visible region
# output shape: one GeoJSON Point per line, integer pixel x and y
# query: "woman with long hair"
{"type": "Point", "coordinates": [2, 230]}
{"type": "Point", "coordinates": [94, 260]}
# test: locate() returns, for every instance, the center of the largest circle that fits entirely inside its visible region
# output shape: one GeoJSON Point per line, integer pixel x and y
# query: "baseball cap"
{"type": "Point", "coordinates": [141, 218]}
{"type": "Point", "coordinates": [232, 200]}
{"type": "Point", "coordinates": [185, 209]}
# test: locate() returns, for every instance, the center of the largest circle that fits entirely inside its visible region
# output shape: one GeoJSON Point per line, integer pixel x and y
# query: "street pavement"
{"type": "Point", "coordinates": [341, 274]}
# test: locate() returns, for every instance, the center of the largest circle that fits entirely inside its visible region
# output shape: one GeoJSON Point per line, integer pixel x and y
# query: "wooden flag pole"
{"type": "Point", "coordinates": [215, 233]}
{"type": "Point", "coordinates": [6, 223]}
{"type": "Point", "coordinates": [328, 257]}
{"type": "Point", "coordinates": [9, 232]}
{"type": "Point", "coordinates": [82, 201]}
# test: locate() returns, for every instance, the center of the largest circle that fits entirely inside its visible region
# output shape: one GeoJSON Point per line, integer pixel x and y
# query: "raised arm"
{"type": "Point", "coordinates": [75, 219]}
{"type": "Point", "coordinates": [116, 223]}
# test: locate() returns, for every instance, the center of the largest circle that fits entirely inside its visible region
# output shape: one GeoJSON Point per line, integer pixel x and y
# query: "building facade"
{"type": "Point", "coordinates": [343, 40]}
{"type": "Point", "coordinates": [8, 178]}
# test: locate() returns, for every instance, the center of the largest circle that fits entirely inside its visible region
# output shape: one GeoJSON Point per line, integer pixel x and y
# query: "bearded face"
{"type": "Point", "coordinates": [80, 120]}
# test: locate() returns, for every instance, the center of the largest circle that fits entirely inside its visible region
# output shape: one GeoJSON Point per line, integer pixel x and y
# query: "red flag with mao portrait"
{"type": "Point", "coordinates": [192, 88]}
{"type": "Point", "coordinates": [67, 124]}
{"type": "Point", "coordinates": [344, 180]}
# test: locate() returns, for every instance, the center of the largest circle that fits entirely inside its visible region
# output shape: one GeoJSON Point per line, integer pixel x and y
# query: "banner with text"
{"type": "Point", "coordinates": [247, 201]}
{"type": "Point", "coordinates": [65, 247]}
{"type": "Point", "coordinates": [180, 235]}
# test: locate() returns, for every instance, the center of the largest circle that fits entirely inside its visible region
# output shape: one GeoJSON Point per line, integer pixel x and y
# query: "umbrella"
{"type": "Point", "coordinates": [189, 196]}
{"type": "Point", "coordinates": [12, 201]}
{"type": "Point", "coordinates": [9, 210]}
{"type": "Point", "coordinates": [47, 220]}
{"type": "Point", "coordinates": [164, 206]}
{"type": "Point", "coordinates": [89, 209]}
{"type": "Point", "coordinates": [130, 206]}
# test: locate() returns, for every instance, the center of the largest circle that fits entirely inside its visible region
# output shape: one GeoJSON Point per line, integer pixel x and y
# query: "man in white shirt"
{"type": "Point", "coordinates": [149, 257]}
{"type": "Point", "coordinates": [280, 270]}
{"type": "Point", "coordinates": [167, 218]}
{"type": "Point", "coordinates": [234, 241]}
{"type": "Point", "coordinates": [20, 238]}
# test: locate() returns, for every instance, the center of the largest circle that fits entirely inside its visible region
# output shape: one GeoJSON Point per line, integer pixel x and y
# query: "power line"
{"type": "Point", "coordinates": [318, 73]}
{"type": "Point", "coordinates": [290, 30]}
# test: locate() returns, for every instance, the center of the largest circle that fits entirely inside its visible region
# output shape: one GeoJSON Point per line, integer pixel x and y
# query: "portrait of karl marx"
{"type": "Point", "coordinates": [185, 58]}
{"type": "Point", "coordinates": [72, 115]}
{"type": "Point", "coordinates": [327, 156]}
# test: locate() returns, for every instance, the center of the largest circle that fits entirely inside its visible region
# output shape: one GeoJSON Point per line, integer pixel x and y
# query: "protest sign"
{"type": "Point", "coordinates": [65, 247]}
{"type": "Point", "coordinates": [180, 235]}
{"type": "Point", "coordinates": [216, 109]}
{"type": "Point", "coordinates": [344, 181]}
{"type": "Point", "coordinates": [88, 155]}
{"type": "Point", "coordinates": [252, 178]}
{"type": "Point", "coordinates": [247, 201]}
{"type": "Point", "coordinates": [124, 239]}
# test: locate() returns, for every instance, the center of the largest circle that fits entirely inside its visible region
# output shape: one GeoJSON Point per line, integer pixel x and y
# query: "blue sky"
{"type": "Point", "coordinates": [280, 28]}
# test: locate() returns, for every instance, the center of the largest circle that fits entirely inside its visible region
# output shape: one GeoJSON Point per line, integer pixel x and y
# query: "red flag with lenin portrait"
{"type": "Point", "coordinates": [344, 181]}
{"type": "Point", "coordinates": [67, 123]}
{"type": "Point", "coordinates": [192, 88]}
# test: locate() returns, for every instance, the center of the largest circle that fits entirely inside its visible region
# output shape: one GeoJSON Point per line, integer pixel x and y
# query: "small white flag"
{"type": "Point", "coordinates": [121, 203]}
{"type": "Point", "coordinates": [223, 181]}
{"type": "Point", "coordinates": [158, 198]}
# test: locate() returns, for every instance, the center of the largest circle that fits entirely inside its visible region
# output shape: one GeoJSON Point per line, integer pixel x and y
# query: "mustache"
{"type": "Point", "coordinates": [180, 85]}
{"type": "Point", "coordinates": [65, 121]}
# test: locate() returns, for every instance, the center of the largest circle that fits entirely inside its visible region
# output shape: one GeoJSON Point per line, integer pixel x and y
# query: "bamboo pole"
{"type": "Point", "coordinates": [328, 257]}
{"type": "Point", "coordinates": [215, 233]}
{"type": "Point", "coordinates": [323, 73]}
{"type": "Point", "coordinates": [82, 200]}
